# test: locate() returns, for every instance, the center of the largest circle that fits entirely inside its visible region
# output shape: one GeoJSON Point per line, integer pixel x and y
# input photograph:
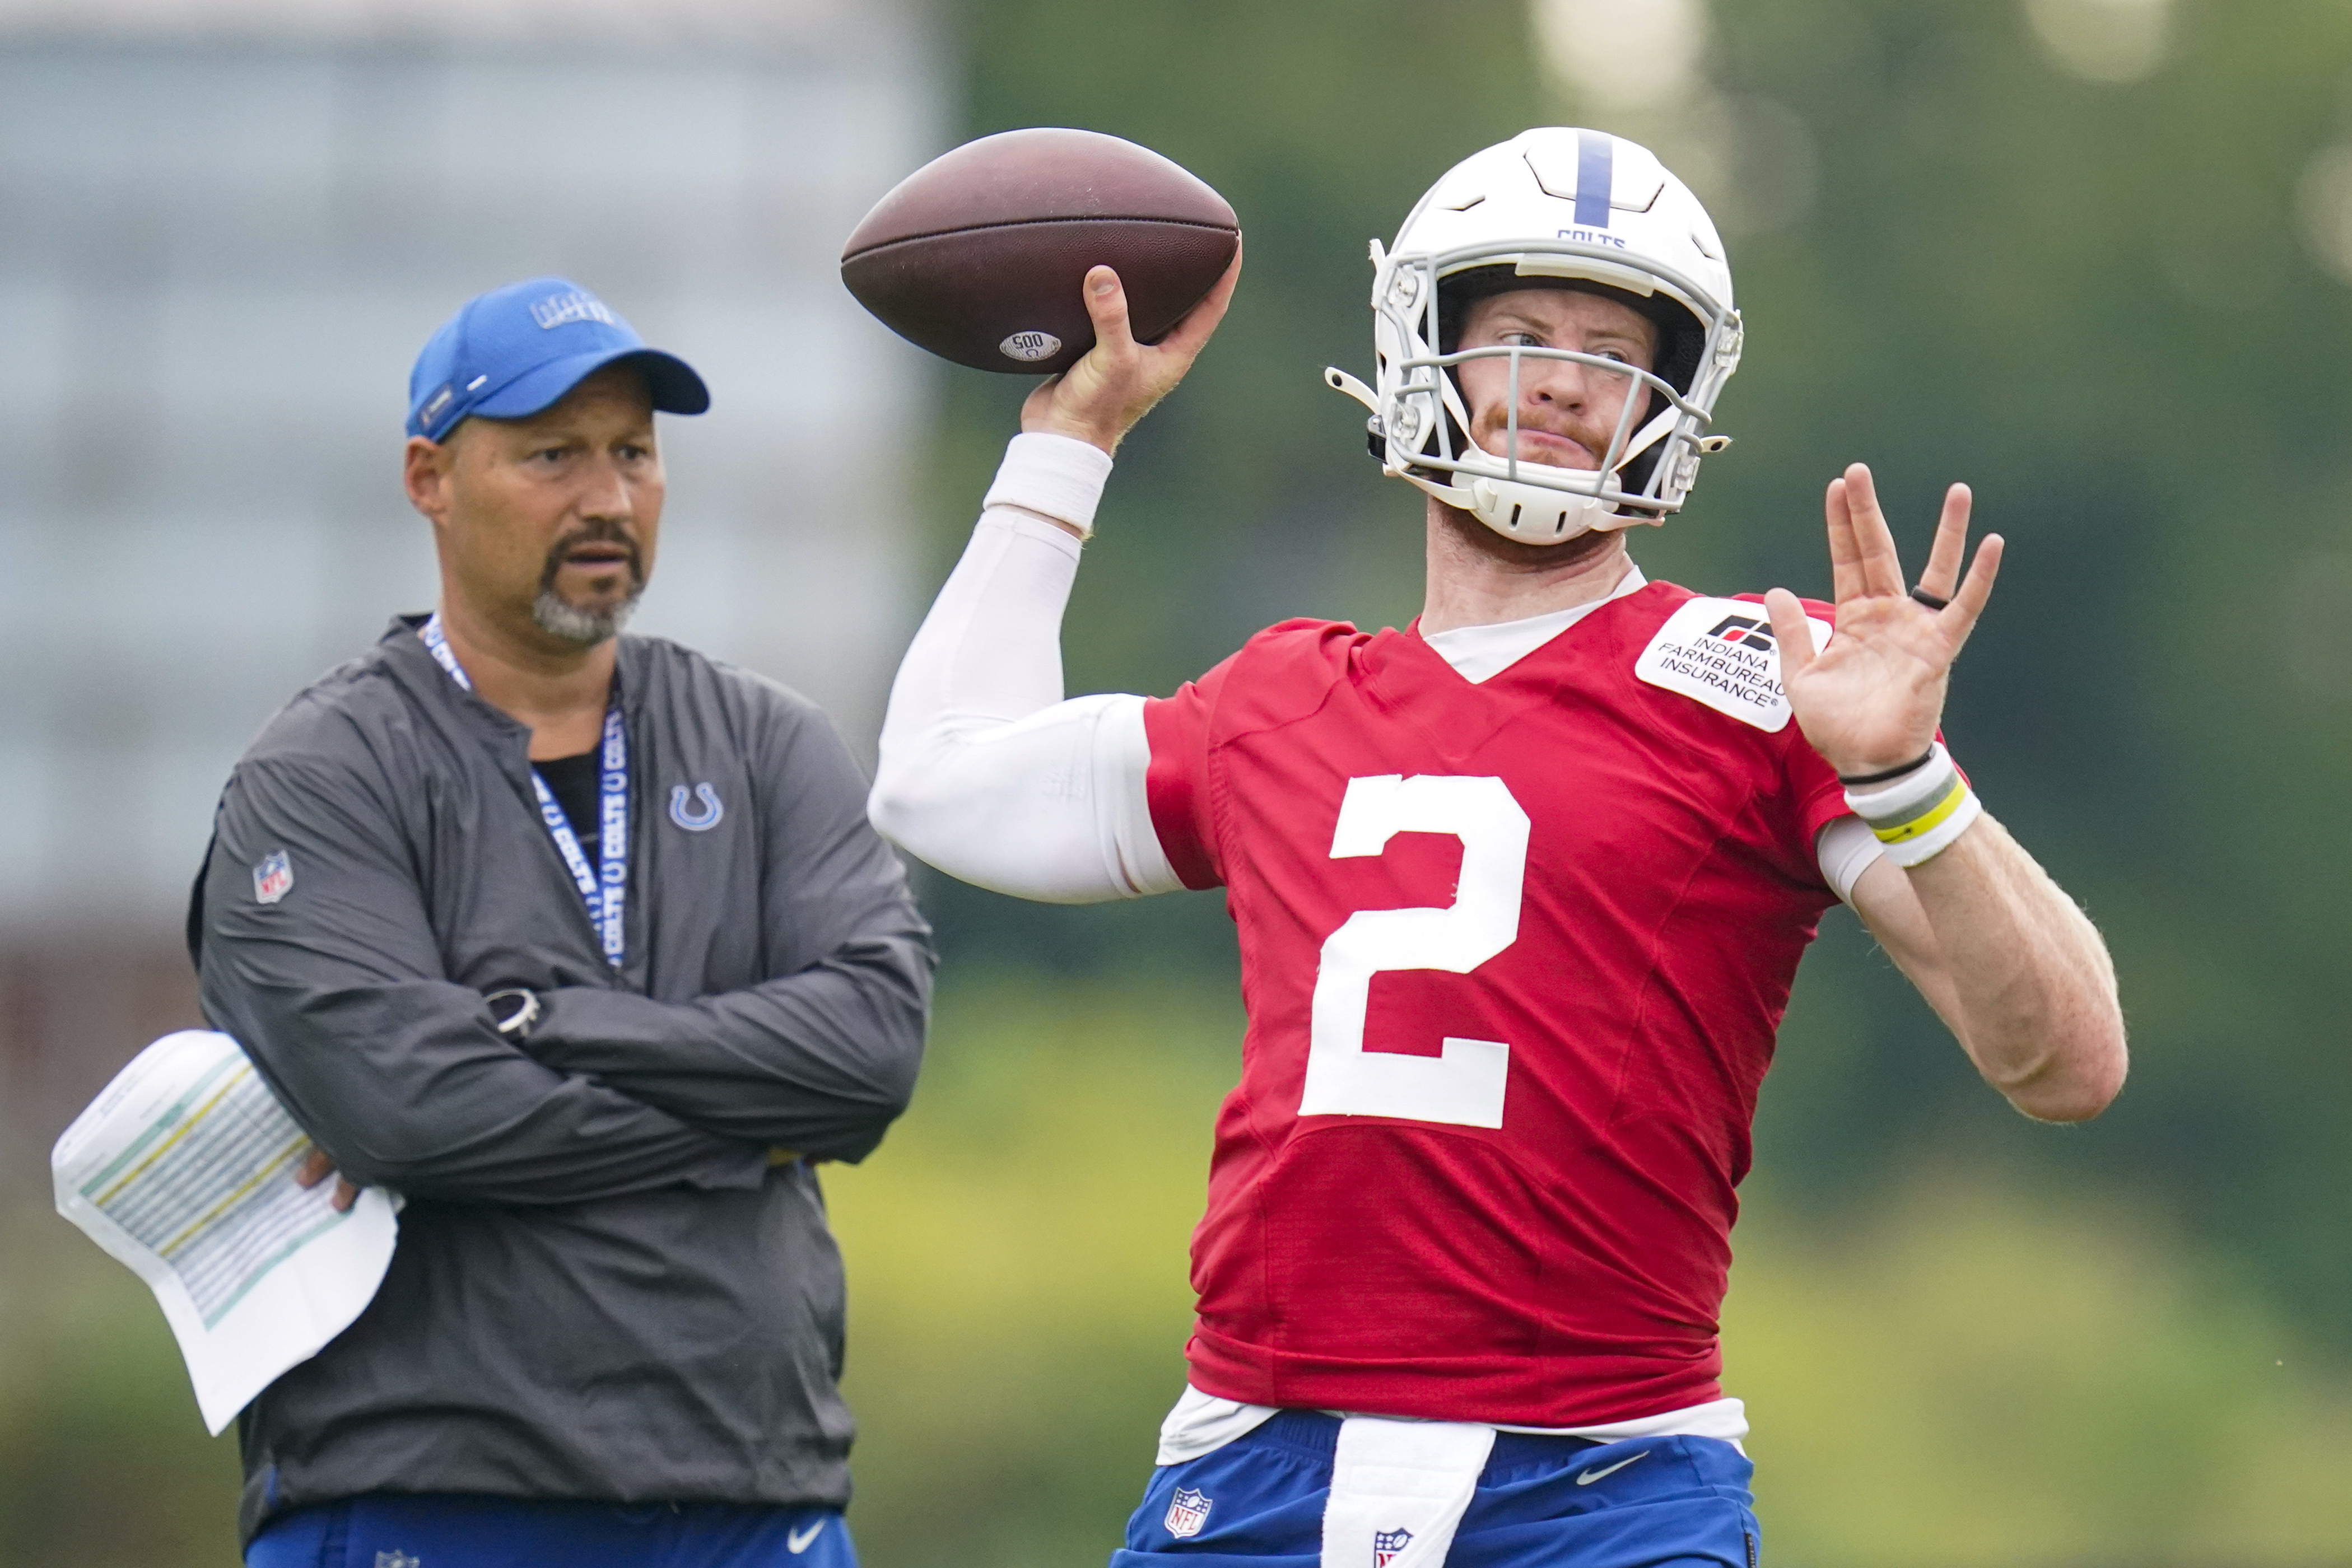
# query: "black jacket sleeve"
{"type": "Point", "coordinates": [336, 990]}
{"type": "Point", "coordinates": [821, 1056]}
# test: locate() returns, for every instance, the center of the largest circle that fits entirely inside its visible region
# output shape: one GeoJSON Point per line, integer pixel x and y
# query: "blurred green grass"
{"type": "Point", "coordinates": [1966, 1370]}
{"type": "Point", "coordinates": [103, 1460]}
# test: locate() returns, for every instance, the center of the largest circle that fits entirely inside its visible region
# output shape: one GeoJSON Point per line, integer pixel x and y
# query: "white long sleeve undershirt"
{"type": "Point", "coordinates": [988, 773]}
{"type": "Point", "coordinates": [985, 771]}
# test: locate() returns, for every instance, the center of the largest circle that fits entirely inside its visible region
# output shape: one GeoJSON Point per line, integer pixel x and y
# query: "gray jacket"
{"type": "Point", "coordinates": [604, 1289]}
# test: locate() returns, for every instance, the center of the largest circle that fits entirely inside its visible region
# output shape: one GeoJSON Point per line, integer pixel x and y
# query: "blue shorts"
{"type": "Point", "coordinates": [388, 1530]}
{"type": "Point", "coordinates": [1541, 1502]}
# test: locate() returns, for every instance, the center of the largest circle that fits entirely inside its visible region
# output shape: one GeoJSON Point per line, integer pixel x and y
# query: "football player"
{"type": "Point", "coordinates": [1520, 890]}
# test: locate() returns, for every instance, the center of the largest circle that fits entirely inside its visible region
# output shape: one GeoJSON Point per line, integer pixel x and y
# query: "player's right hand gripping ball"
{"type": "Point", "coordinates": [979, 254]}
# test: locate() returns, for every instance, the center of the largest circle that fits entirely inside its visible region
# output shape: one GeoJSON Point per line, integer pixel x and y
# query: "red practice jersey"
{"type": "Point", "coordinates": [1513, 955]}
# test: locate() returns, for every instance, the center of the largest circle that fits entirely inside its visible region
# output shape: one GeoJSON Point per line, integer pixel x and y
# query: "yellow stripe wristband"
{"type": "Point", "coordinates": [1918, 816]}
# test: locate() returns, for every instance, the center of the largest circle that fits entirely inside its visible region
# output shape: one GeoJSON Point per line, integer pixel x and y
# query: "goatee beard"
{"type": "Point", "coordinates": [573, 624]}
{"type": "Point", "coordinates": [569, 622]}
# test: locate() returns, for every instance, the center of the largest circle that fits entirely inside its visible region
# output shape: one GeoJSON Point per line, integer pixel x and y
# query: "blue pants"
{"type": "Point", "coordinates": [1542, 1502]}
{"type": "Point", "coordinates": [386, 1530]}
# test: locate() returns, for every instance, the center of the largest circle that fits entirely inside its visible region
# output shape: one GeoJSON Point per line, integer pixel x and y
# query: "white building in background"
{"type": "Point", "coordinates": [226, 229]}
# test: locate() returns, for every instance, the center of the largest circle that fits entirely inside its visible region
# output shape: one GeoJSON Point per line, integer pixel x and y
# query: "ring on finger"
{"type": "Point", "coordinates": [1931, 600]}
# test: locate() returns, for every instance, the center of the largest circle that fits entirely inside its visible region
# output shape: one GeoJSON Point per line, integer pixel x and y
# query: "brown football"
{"type": "Point", "coordinates": [979, 254]}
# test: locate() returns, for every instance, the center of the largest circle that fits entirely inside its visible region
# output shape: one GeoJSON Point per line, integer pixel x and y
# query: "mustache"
{"type": "Point", "coordinates": [1495, 440]}
{"type": "Point", "coordinates": [596, 531]}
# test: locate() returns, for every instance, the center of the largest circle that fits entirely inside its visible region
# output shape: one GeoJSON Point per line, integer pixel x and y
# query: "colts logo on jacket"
{"type": "Point", "coordinates": [691, 819]}
{"type": "Point", "coordinates": [1188, 1513]}
{"type": "Point", "coordinates": [1387, 1544]}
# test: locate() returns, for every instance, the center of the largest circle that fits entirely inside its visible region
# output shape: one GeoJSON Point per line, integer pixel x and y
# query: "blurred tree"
{"type": "Point", "coordinates": [1960, 256]}
{"type": "Point", "coordinates": [1973, 241]}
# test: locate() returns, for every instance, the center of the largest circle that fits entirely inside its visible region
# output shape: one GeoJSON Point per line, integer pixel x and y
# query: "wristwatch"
{"type": "Point", "coordinates": [515, 1010]}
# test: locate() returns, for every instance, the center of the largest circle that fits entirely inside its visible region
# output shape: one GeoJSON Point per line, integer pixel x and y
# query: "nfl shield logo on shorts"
{"type": "Point", "coordinates": [1188, 1513]}
{"type": "Point", "coordinates": [1387, 1544]}
{"type": "Point", "coordinates": [273, 879]}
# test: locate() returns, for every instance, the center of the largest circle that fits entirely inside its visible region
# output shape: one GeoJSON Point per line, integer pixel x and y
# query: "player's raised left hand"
{"type": "Point", "coordinates": [1872, 698]}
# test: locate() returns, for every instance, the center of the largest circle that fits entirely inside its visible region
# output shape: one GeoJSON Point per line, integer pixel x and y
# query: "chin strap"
{"type": "Point", "coordinates": [1531, 514]}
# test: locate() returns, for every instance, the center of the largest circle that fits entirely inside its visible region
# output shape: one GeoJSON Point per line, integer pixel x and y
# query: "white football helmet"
{"type": "Point", "coordinates": [1550, 204]}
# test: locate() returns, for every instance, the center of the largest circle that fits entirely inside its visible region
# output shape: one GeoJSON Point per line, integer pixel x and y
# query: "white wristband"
{"type": "Point", "coordinates": [1057, 477]}
{"type": "Point", "coordinates": [1918, 816]}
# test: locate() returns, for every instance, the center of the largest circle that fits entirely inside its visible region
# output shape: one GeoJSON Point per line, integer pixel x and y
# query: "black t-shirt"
{"type": "Point", "coordinates": [577, 782]}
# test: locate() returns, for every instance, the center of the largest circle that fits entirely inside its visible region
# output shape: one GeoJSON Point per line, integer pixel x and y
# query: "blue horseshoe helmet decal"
{"type": "Point", "coordinates": [700, 821]}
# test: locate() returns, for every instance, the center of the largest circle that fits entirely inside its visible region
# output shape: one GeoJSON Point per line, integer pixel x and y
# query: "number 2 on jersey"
{"type": "Point", "coordinates": [1465, 1085]}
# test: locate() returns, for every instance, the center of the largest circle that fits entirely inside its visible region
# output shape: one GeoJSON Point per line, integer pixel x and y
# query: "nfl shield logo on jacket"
{"type": "Point", "coordinates": [273, 879]}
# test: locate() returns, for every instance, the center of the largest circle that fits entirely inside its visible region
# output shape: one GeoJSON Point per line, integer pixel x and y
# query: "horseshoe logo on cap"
{"type": "Point", "coordinates": [700, 821]}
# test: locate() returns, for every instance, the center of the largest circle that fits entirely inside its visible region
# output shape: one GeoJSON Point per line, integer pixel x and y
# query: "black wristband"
{"type": "Point", "coordinates": [1863, 780]}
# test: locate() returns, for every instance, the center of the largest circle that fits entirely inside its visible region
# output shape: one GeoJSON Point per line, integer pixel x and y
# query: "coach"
{"type": "Point", "coordinates": [581, 943]}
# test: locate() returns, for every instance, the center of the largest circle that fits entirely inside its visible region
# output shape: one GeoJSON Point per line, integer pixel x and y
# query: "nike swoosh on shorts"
{"type": "Point", "coordinates": [1588, 1476]}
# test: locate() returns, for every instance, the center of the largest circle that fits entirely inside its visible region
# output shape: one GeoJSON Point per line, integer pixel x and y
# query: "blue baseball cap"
{"type": "Point", "coordinates": [515, 350]}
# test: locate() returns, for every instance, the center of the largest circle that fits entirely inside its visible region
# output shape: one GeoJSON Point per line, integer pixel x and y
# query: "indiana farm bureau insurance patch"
{"type": "Point", "coordinates": [1721, 651]}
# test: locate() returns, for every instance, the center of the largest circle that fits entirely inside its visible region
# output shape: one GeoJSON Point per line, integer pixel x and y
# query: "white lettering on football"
{"type": "Point", "coordinates": [1030, 347]}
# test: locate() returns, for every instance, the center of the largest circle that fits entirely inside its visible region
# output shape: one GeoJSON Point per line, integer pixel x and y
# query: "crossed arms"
{"type": "Point", "coordinates": [400, 1075]}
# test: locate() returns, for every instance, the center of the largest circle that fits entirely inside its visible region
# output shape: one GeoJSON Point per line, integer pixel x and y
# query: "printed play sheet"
{"type": "Point", "coordinates": [184, 1169]}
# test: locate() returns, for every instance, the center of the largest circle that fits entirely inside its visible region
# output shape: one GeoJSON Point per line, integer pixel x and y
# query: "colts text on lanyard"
{"type": "Point", "coordinates": [605, 887]}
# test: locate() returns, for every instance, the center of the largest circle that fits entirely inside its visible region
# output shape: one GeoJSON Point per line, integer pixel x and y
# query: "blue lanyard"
{"type": "Point", "coordinates": [603, 887]}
